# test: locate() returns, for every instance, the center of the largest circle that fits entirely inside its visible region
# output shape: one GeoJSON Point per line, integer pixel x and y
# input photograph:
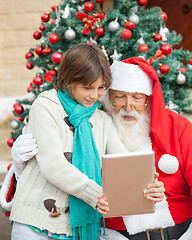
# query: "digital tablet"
{"type": "Point", "coordinates": [124, 177]}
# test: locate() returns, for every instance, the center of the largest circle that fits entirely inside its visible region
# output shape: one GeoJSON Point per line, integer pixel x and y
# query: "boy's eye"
{"type": "Point", "coordinates": [87, 87]}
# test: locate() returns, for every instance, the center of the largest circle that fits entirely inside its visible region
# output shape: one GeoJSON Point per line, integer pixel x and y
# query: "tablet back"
{"type": "Point", "coordinates": [124, 177]}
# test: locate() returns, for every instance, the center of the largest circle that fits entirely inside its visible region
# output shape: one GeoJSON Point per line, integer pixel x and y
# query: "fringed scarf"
{"type": "Point", "coordinates": [84, 219]}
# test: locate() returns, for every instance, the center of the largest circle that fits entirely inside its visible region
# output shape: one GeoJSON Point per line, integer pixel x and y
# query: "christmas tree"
{"type": "Point", "coordinates": [126, 30]}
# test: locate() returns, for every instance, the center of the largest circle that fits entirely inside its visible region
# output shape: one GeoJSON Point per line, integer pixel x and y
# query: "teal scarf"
{"type": "Point", "coordinates": [84, 219]}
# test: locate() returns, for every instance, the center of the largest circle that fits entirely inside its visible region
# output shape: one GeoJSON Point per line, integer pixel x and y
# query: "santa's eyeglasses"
{"type": "Point", "coordinates": [135, 102]}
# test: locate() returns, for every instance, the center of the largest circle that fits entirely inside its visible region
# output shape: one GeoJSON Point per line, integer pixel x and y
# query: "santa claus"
{"type": "Point", "coordinates": [136, 103]}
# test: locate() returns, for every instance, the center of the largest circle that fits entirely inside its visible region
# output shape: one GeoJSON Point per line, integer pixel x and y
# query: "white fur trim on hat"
{"type": "Point", "coordinates": [5, 188]}
{"type": "Point", "coordinates": [130, 78]}
{"type": "Point", "coordinates": [168, 164]}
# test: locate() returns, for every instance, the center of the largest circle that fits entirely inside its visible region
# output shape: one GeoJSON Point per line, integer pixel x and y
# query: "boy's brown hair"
{"type": "Point", "coordinates": [83, 63]}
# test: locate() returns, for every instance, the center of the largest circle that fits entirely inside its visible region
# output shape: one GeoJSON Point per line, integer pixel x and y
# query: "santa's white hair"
{"type": "Point", "coordinates": [134, 134]}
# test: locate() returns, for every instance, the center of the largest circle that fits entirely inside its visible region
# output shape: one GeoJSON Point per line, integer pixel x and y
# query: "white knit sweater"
{"type": "Point", "coordinates": [50, 175]}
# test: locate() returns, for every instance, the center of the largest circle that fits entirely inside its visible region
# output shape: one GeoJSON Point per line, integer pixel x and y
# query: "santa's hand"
{"type": "Point", "coordinates": [102, 205]}
{"type": "Point", "coordinates": [155, 191]}
{"type": "Point", "coordinates": [23, 149]}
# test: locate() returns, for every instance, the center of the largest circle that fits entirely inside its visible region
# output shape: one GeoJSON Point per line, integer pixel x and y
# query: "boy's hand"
{"type": "Point", "coordinates": [102, 205]}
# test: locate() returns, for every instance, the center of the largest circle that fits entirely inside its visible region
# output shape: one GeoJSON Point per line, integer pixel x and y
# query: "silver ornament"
{"type": "Point", "coordinates": [114, 26]}
{"type": "Point", "coordinates": [134, 18]}
{"type": "Point", "coordinates": [14, 124]}
{"type": "Point", "coordinates": [70, 34]}
{"type": "Point", "coordinates": [181, 78]}
{"type": "Point", "coordinates": [58, 17]}
{"type": "Point", "coordinates": [133, 10]}
{"type": "Point", "coordinates": [30, 96]}
{"type": "Point", "coordinates": [66, 13]}
{"type": "Point", "coordinates": [159, 74]}
{"type": "Point", "coordinates": [164, 38]}
{"type": "Point", "coordinates": [189, 66]}
{"type": "Point", "coordinates": [140, 41]}
{"type": "Point", "coordinates": [41, 71]}
{"type": "Point", "coordinates": [166, 30]}
{"type": "Point", "coordinates": [172, 106]}
{"type": "Point", "coordinates": [116, 56]}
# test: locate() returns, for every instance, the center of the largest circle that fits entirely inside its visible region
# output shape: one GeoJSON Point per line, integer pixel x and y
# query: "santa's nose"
{"type": "Point", "coordinates": [129, 107]}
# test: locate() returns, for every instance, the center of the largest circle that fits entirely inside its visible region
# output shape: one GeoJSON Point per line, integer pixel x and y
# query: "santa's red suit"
{"type": "Point", "coordinates": [171, 138]}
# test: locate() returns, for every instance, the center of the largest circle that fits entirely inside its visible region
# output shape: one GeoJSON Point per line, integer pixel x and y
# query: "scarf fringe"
{"type": "Point", "coordinates": [88, 232]}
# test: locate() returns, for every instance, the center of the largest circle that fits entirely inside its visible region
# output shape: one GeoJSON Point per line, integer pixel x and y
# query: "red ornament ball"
{"type": "Point", "coordinates": [18, 109]}
{"type": "Point", "coordinates": [157, 37]}
{"type": "Point", "coordinates": [45, 17]}
{"type": "Point", "coordinates": [166, 49]}
{"type": "Point", "coordinates": [29, 55]}
{"type": "Point", "coordinates": [99, 31]}
{"type": "Point", "coordinates": [164, 16]}
{"type": "Point", "coordinates": [15, 105]}
{"type": "Point", "coordinates": [56, 57]}
{"type": "Point", "coordinates": [10, 142]}
{"type": "Point", "coordinates": [41, 27]}
{"type": "Point", "coordinates": [47, 50]}
{"type": "Point", "coordinates": [29, 65]}
{"type": "Point", "coordinates": [130, 25]}
{"type": "Point", "coordinates": [38, 50]}
{"type": "Point", "coordinates": [21, 119]}
{"type": "Point", "coordinates": [29, 89]}
{"type": "Point", "coordinates": [99, 1]}
{"type": "Point", "coordinates": [53, 21]}
{"type": "Point", "coordinates": [164, 69]}
{"type": "Point", "coordinates": [143, 48]}
{"type": "Point", "coordinates": [142, 2]}
{"type": "Point", "coordinates": [53, 38]}
{"type": "Point", "coordinates": [88, 6]}
{"type": "Point", "coordinates": [37, 81]}
{"type": "Point", "coordinates": [126, 34]}
{"type": "Point", "coordinates": [37, 35]}
{"type": "Point", "coordinates": [182, 69]}
{"type": "Point", "coordinates": [54, 8]}
{"type": "Point", "coordinates": [190, 62]}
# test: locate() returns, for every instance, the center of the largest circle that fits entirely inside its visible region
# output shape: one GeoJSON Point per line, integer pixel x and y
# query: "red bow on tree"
{"type": "Point", "coordinates": [157, 55]}
{"type": "Point", "coordinates": [89, 20]}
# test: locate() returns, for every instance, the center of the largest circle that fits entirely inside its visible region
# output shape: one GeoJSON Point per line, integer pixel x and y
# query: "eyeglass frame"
{"type": "Point", "coordinates": [132, 106]}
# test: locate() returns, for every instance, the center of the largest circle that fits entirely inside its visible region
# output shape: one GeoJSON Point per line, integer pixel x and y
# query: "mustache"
{"type": "Point", "coordinates": [133, 113]}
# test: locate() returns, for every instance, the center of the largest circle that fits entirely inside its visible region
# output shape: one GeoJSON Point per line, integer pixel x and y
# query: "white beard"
{"type": "Point", "coordinates": [134, 134]}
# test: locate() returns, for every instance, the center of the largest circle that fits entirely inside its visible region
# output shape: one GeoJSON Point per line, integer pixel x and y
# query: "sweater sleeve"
{"type": "Point", "coordinates": [52, 163]}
